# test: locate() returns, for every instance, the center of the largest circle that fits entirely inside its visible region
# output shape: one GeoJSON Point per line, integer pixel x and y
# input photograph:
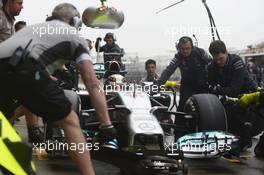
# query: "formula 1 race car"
{"type": "Point", "coordinates": [153, 137]}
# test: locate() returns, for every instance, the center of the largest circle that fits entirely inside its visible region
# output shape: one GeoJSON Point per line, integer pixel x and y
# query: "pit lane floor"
{"type": "Point", "coordinates": [249, 166]}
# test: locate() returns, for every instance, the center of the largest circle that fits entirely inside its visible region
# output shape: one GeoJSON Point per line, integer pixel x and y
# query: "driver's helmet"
{"type": "Point", "coordinates": [68, 13]}
{"type": "Point", "coordinates": [110, 35]}
{"type": "Point", "coordinates": [115, 82]}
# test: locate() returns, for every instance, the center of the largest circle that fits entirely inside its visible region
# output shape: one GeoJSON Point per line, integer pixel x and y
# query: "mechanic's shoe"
{"type": "Point", "coordinates": [35, 135]}
{"type": "Point", "coordinates": [108, 137]}
{"type": "Point", "coordinates": [89, 135]}
{"type": "Point", "coordinates": [231, 158]}
{"type": "Point", "coordinates": [246, 139]}
{"type": "Point", "coordinates": [259, 149]}
{"type": "Point", "coordinates": [113, 144]}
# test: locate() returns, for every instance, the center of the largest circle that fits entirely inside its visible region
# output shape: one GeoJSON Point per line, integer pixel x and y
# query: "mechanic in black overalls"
{"type": "Point", "coordinates": [228, 75]}
{"type": "Point", "coordinates": [108, 48]}
{"type": "Point", "coordinates": [255, 99]}
{"type": "Point", "coordinates": [193, 62]}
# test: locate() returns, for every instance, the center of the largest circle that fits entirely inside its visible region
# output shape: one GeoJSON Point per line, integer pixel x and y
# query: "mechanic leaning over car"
{"type": "Point", "coordinates": [10, 9]}
{"type": "Point", "coordinates": [29, 57]}
{"type": "Point", "coordinates": [257, 100]}
{"type": "Point", "coordinates": [228, 76]}
{"type": "Point", "coordinates": [192, 62]}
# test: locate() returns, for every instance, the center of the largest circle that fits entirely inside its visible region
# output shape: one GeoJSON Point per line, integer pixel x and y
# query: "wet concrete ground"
{"type": "Point", "coordinates": [249, 166]}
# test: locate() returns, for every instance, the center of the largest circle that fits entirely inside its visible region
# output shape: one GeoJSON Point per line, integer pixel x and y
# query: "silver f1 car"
{"type": "Point", "coordinates": [157, 136]}
{"type": "Point", "coordinates": [153, 137]}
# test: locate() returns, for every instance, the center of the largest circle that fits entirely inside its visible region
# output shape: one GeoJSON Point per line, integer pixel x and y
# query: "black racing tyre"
{"type": "Point", "coordinates": [74, 99]}
{"type": "Point", "coordinates": [208, 112]}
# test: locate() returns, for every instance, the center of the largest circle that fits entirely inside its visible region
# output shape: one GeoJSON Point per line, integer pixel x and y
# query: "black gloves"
{"type": "Point", "coordinates": [217, 90]}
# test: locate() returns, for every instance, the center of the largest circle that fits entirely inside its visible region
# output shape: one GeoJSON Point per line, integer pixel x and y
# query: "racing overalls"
{"type": "Point", "coordinates": [193, 74]}
{"type": "Point", "coordinates": [233, 79]}
{"type": "Point", "coordinates": [114, 48]}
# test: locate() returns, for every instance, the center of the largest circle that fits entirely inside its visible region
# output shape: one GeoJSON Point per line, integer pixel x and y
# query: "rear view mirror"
{"type": "Point", "coordinates": [103, 17]}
